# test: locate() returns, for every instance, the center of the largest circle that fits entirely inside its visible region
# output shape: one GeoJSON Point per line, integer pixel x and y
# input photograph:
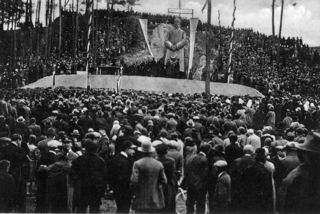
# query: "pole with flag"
{"type": "Point", "coordinates": [229, 74]}
{"type": "Point", "coordinates": [144, 27]}
{"type": "Point", "coordinates": [54, 76]}
{"type": "Point", "coordinates": [88, 44]}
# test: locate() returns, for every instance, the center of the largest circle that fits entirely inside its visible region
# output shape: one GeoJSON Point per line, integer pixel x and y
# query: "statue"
{"type": "Point", "coordinates": [175, 41]}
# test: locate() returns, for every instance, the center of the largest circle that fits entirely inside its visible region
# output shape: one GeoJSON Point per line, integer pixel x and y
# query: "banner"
{"type": "Point", "coordinates": [193, 30]}
{"type": "Point", "coordinates": [144, 27]}
{"type": "Point", "coordinates": [120, 71]}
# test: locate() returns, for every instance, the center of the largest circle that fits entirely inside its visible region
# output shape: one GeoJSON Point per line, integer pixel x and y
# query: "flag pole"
{"type": "Point", "coordinates": [208, 49]}
{"type": "Point", "coordinates": [88, 45]}
{"type": "Point", "coordinates": [231, 44]}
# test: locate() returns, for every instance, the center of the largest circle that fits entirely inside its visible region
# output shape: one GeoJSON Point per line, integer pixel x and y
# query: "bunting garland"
{"type": "Point", "coordinates": [231, 43]}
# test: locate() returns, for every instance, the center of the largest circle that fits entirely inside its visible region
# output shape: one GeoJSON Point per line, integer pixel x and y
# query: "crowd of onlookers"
{"type": "Point", "coordinates": [71, 147]}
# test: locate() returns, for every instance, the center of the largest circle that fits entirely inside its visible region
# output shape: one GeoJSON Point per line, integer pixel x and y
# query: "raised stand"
{"type": "Point", "coordinates": [156, 84]}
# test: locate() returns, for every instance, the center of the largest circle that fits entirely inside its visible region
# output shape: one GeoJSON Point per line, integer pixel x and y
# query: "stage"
{"type": "Point", "coordinates": [156, 84]}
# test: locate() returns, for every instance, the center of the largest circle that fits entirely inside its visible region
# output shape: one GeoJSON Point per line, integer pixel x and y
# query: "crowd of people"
{"type": "Point", "coordinates": [71, 147]}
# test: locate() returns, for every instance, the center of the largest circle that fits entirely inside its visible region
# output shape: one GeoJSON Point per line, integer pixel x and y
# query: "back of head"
{"type": "Point", "coordinates": [205, 148]}
{"type": "Point", "coordinates": [248, 149]}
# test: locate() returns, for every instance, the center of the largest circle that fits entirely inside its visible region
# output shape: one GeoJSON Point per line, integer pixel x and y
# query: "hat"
{"type": "Point", "coordinates": [90, 130]}
{"type": "Point", "coordinates": [218, 148]}
{"type": "Point", "coordinates": [190, 123]}
{"type": "Point", "coordinates": [20, 119]}
{"type": "Point", "coordinates": [250, 131]}
{"type": "Point", "coordinates": [137, 132]}
{"type": "Point", "coordinates": [161, 148]}
{"type": "Point", "coordinates": [54, 144]}
{"type": "Point", "coordinates": [75, 133]}
{"type": "Point", "coordinates": [63, 147]}
{"type": "Point", "coordinates": [229, 116]}
{"type": "Point", "coordinates": [173, 143]}
{"type": "Point", "coordinates": [196, 118]}
{"type": "Point", "coordinates": [157, 142]}
{"type": "Point", "coordinates": [51, 131]}
{"type": "Point", "coordinates": [248, 149]}
{"type": "Point", "coordinates": [311, 143]}
{"type": "Point", "coordinates": [150, 123]}
{"type": "Point", "coordinates": [220, 163]}
{"type": "Point", "coordinates": [100, 113]}
{"type": "Point", "coordinates": [5, 140]}
{"type": "Point", "coordinates": [146, 146]}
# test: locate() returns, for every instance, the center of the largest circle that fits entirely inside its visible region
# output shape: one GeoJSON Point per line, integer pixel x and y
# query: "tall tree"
{"type": "Point", "coordinates": [280, 30]}
{"type": "Point", "coordinates": [273, 30]}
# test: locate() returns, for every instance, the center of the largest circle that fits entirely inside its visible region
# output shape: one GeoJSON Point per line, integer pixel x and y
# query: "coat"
{"type": "Point", "coordinates": [196, 175]}
{"type": "Point", "coordinates": [57, 199]}
{"type": "Point", "coordinates": [256, 193]}
{"type": "Point", "coordinates": [300, 190]}
{"type": "Point", "coordinates": [88, 176]}
{"type": "Point", "coordinates": [7, 191]}
{"type": "Point", "coordinates": [222, 194]}
{"type": "Point", "coordinates": [148, 177]}
{"type": "Point", "coordinates": [169, 189]}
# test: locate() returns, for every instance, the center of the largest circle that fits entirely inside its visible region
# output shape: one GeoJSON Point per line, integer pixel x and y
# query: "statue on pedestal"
{"type": "Point", "coordinates": [175, 41]}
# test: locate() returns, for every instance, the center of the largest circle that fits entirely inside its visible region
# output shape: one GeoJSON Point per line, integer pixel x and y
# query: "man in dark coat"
{"type": "Point", "coordinates": [88, 175]}
{"type": "Point", "coordinates": [255, 195]}
{"type": "Point", "coordinates": [46, 159]}
{"type": "Point", "coordinates": [300, 190]}
{"type": "Point", "coordinates": [120, 171]}
{"type": "Point", "coordinates": [233, 151]}
{"type": "Point", "coordinates": [196, 180]}
{"type": "Point", "coordinates": [237, 168]}
{"type": "Point", "coordinates": [7, 188]}
{"type": "Point", "coordinates": [19, 170]}
{"type": "Point", "coordinates": [169, 169]}
{"type": "Point", "coordinates": [127, 135]}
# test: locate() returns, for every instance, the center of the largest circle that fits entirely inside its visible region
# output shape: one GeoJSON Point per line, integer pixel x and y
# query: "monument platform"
{"type": "Point", "coordinates": [156, 84]}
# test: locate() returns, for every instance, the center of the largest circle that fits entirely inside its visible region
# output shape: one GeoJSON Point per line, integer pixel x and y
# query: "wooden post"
{"type": "Point", "coordinates": [60, 29]}
{"type": "Point", "coordinates": [279, 39]}
{"type": "Point", "coordinates": [208, 49]}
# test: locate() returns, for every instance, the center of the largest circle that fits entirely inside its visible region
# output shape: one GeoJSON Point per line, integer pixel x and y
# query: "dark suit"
{"type": "Point", "coordinates": [196, 182]}
{"type": "Point", "coordinates": [88, 174]}
{"type": "Point", "coordinates": [255, 195]}
{"type": "Point", "coordinates": [222, 195]}
{"type": "Point", "coordinates": [120, 173]}
{"type": "Point", "coordinates": [41, 177]}
{"type": "Point", "coordinates": [169, 189]}
{"type": "Point", "coordinates": [233, 152]}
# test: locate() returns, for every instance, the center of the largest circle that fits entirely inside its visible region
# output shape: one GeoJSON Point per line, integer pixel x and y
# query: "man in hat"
{"type": "Point", "coordinates": [46, 159]}
{"type": "Point", "coordinates": [127, 135]}
{"type": "Point", "coordinates": [222, 195]}
{"type": "Point", "coordinates": [120, 170]}
{"type": "Point", "coordinates": [4, 128]}
{"type": "Point", "coordinates": [175, 41]}
{"type": "Point", "coordinates": [88, 176]}
{"type": "Point", "coordinates": [169, 169]}
{"type": "Point", "coordinates": [229, 125]}
{"type": "Point", "coordinates": [233, 151]}
{"type": "Point", "coordinates": [196, 179]}
{"type": "Point", "coordinates": [57, 200]}
{"type": "Point", "coordinates": [103, 149]}
{"type": "Point", "coordinates": [300, 190]}
{"type": "Point", "coordinates": [171, 125]}
{"type": "Point", "coordinates": [73, 125]}
{"type": "Point", "coordinates": [34, 128]}
{"type": "Point", "coordinates": [255, 195]}
{"type": "Point", "coordinates": [7, 187]}
{"type": "Point", "coordinates": [19, 169]}
{"type": "Point", "coordinates": [271, 117]}
{"type": "Point", "coordinates": [253, 140]}
{"type": "Point", "coordinates": [43, 145]}
{"type": "Point", "coordinates": [147, 179]}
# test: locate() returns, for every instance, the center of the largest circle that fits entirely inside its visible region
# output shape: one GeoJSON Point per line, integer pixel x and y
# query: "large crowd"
{"type": "Point", "coordinates": [71, 147]}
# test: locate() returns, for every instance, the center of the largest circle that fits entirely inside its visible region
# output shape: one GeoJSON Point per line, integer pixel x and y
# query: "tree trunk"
{"type": "Point", "coordinates": [273, 31]}
{"type": "Point", "coordinates": [208, 49]}
{"type": "Point", "coordinates": [77, 26]}
{"type": "Point", "coordinates": [60, 29]}
{"type": "Point", "coordinates": [279, 39]}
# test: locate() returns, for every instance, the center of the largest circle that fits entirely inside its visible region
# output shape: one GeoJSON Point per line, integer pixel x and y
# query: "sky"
{"type": "Point", "coordinates": [301, 20]}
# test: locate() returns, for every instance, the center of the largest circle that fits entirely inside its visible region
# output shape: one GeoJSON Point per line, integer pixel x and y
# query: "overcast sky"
{"type": "Point", "coordinates": [301, 20]}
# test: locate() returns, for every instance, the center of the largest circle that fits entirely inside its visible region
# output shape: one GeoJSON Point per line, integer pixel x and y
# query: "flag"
{"type": "Point", "coordinates": [144, 27]}
{"type": "Point", "coordinates": [193, 30]}
{"type": "Point", "coordinates": [119, 79]}
{"type": "Point", "coordinates": [54, 76]}
{"type": "Point", "coordinates": [205, 5]}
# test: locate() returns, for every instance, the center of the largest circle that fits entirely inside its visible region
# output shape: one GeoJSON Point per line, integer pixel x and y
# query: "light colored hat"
{"type": "Point", "coordinates": [54, 144]}
{"type": "Point", "coordinates": [250, 131]}
{"type": "Point", "coordinates": [20, 119]}
{"type": "Point", "coordinates": [311, 143]}
{"type": "Point", "coordinates": [173, 143]}
{"type": "Point", "coordinates": [146, 146]}
{"type": "Point", "coordinates": [220, 163]}
{"type": "Point", "coordinates": [190, 123]}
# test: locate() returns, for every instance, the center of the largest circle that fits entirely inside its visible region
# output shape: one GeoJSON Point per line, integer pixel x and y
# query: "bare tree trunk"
{"type": "Point", "coordinates": [77, 26]}
{"type": "Point", "coordinates": [280, 30]}
{"type": "Point", "coordinates": [208, 49]}
{"type": "Point", "coordinates": [273, 31]}
{"type": "Point", "coordinates": [60, 29]}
